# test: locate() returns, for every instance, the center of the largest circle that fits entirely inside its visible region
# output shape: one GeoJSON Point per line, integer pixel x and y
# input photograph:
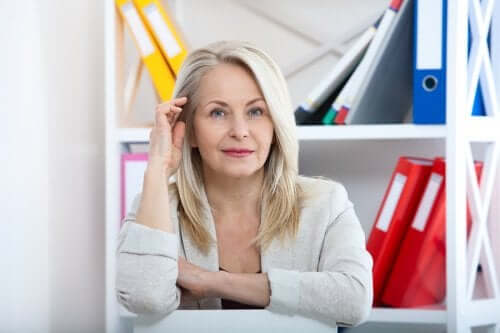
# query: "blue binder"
{"type": "Point", "coordinates": [478, 108]}
{"type": "Point", "coordinates": [429, 62]}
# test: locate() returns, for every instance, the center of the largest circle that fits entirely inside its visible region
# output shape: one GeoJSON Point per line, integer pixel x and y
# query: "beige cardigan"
{"type": "Point", "coordinates": [325, 273]}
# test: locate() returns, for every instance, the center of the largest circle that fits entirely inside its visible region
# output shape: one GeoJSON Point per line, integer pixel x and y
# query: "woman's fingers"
{"type": "Point", "coordinates": [178, 134]}
{"type": "Point", "coordinates": [168, 112]}
{"type": "Point", "coordinates": [177, 103]}
{"type": "Point", "coordinates": [166, 115]}
{"type": "Point", "coordinates": [167, 135]}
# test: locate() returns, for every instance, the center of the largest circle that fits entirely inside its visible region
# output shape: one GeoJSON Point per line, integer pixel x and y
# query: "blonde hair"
{"type": "Point", "coordinates": [280, 192]}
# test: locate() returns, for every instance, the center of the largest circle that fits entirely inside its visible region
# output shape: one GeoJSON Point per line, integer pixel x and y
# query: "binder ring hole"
{"type": "Point", "coordinates": [430, 83]}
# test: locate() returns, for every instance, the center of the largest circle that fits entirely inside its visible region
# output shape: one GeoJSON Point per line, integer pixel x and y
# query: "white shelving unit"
{"type": "Point", "coordinates": [354, 132]}
{"type": "Point", "coordinates": [461, 312]}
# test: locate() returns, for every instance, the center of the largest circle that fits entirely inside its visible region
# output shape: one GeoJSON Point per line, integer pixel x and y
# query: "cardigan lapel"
{"type": "Point", "coordinates": [209, 261]}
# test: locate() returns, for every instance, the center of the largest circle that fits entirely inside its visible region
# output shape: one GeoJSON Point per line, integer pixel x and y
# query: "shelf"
{"type": "Point", "coordinates": [372, 132]}
{"type": "Point", "coordinates": [127, 135]}
{"type": "Point", "coordinates": [377, 139]}
{"type": "Point", "coordinates": [312, 133]}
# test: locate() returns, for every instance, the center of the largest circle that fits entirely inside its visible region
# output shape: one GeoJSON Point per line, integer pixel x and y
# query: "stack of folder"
{"type": "Point", "coordinates": [160, 45]}
{"type": "Point", "coordinates": [407, 240]}
{"type": "Point", "coordinates": [397, 66]}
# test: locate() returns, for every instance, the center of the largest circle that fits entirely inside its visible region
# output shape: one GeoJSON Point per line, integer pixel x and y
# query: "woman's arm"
{"type": "Point", "coordinates": [246, 288]}
{"type": "Point", "coordinates": [341, 292]}
{"type": "Point", "coordinates": [143, 254]}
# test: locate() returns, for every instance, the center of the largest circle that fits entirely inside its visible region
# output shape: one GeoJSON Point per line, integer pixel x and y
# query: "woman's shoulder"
{"type": "Point", "coordinates": [319, 187]}
{"type": "Point", "coordinates": [324, 194]}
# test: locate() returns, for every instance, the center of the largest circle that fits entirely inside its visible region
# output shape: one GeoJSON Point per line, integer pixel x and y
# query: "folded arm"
{"type": "Point", "coordinates": [146, 269]}
{"type": "Point", "coordinates": [341, 291]}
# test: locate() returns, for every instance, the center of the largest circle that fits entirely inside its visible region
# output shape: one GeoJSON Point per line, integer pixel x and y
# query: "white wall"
{"type": "Point", "coordinates": [24, 188]}
{"type": "Point", "coordinates": [52, 173]}
{"type": "Point", "coordinates": [73, 61]}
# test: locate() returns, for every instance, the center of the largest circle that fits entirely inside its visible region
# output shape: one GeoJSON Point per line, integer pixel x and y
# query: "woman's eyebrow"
{"type": "Point", "coordinates": [220, 102]}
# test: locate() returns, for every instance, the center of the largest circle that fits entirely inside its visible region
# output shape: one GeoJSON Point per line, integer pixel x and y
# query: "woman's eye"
{"type": "Point", "coordinates": [256, 112]}
{"type": "Point", "coordinates": [217, 113]}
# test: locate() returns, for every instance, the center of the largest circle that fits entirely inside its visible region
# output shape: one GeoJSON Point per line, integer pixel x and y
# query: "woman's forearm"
{"type": "Point", "coordinates": [154, 206]}
{"type": "Point", "coordinates": [245, 288]}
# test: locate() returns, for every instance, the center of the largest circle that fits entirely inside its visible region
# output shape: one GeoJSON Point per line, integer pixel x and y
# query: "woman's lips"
{"type": "Point", "coordinates": [237, 153]}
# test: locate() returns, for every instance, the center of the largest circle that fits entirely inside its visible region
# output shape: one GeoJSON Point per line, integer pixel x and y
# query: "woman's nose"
{"type": "Point", "coordinates": [239, 127]}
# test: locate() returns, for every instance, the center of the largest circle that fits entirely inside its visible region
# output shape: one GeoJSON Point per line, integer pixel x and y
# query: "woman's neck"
{"type": "Point", "coordinates": [234, 196]}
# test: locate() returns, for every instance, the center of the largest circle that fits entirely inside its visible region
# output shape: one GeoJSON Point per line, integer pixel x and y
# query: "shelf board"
{"type": "Point", "coordinates": [312, 133]}
{"type": "Point", "coordinates": [372, 132]}
{"type": "Point", "coordinates": [127, 135]}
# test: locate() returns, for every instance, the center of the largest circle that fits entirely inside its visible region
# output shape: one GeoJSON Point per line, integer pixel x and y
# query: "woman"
{"type": "Point", "coordinates": [239, 228]}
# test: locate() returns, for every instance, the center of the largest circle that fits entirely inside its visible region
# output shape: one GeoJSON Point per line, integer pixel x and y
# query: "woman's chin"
{"type": "Point", "coordinates": [240, 173]}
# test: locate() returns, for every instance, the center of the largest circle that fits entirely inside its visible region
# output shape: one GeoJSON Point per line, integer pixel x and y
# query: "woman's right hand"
{"type": "Point", "coordinates": [167, 136]}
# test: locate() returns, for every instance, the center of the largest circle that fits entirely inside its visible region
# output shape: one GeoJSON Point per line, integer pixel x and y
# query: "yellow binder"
{"type": "Point", "coordinates": [162, 76]}
{"type": "Point", "coordinates": [163, 30]}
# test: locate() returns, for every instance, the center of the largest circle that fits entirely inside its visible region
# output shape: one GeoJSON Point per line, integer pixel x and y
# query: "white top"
{"type": "Point", "coordinates": [324, 274]}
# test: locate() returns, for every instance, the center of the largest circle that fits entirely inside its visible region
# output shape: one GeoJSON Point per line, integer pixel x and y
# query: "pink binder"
{"type": "Point", "coordinates": [133, 166]}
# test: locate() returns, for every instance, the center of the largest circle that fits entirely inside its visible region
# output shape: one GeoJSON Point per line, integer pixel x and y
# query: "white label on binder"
{"type": "Point", "coordinates": [429, 34]}
{"type": "Point", "coordinates": [167, 39]}
{"type": "Point", "coordinates": [427, 201]}
{"type": "Point", "coordinates": [138, 29]}
{"type": "Point", "coordinates": [390, 203]}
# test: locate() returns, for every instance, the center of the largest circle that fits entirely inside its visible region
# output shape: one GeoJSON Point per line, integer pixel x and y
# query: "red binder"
{"type": "Point", "coordinates": [400, 201]}
{"type": "Point", "coordinates": [419, 274]}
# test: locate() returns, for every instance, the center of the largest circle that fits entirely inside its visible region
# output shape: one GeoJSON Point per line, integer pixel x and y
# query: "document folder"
{"type": "Point", "coordinates": [344, 102]}
{"type": "Point", "coordinates": [429, 75]}
{"type": "Point", "coordinates": [384, 93]}
{"type": "Point", "coordinates": [163, 79]}
{"type": "Point", "coordinates": [163, 30]}
{"type": "Point", "coordinates": [133, 166]}
{"type": "Point", "coordinates": [340, 71]}
{"type": "Point", "coordinates": [396, 212]}
{"type": "Point", "coordinates": [419, 274]}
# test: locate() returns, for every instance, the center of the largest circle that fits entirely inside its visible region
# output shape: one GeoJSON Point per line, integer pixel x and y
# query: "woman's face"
{"type": "Point", "coordinates": [233, 129]}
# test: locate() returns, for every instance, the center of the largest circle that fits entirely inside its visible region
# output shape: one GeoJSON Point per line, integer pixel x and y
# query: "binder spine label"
{"type": "Point", "coordinates": [429, 34]}
{"type": "Point", "coordinates": [138, 29]}
{"type": "Point", "coordinates": [427, 202]}
{"type": "Point", "coordinates": [165, 36]}
{"type": "Point", "coordinates": [391, 202]}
